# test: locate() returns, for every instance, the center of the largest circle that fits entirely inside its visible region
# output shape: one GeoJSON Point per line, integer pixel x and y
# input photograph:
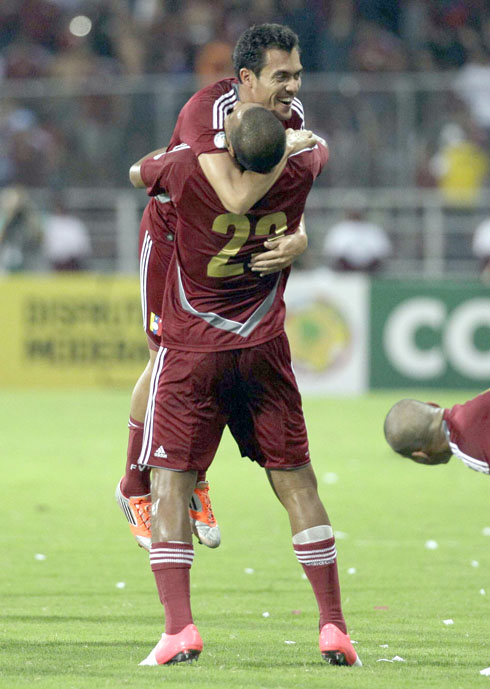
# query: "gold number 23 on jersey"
{"type": "Point", "coordinates": [219, 266]}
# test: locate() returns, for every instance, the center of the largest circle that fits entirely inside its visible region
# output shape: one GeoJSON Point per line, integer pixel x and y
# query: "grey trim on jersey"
{"type": "Point", "coordinates": [471, 462]}
{"type": "Point", "coordinates": [308, 148]}
{"type": "Point", "coordinates": [235, 327]}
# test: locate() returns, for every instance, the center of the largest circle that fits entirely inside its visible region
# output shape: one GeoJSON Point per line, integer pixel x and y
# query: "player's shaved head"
{"type": "Point", "coordinates": [408, 426]}
{"type": "Point", "coordinates": [257, 138]}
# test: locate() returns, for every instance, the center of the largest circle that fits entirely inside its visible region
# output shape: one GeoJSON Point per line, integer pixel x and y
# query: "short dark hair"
{"type": "Point", "coordinates": [250, 49]}
{"type": "Point", "coordinates": [259, 141]}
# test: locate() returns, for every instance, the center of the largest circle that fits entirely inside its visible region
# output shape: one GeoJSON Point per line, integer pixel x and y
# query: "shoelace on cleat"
{"type": "Point", "coordinates": [206, 503]}
{"type": "Point", "coordinates": [144, 513]}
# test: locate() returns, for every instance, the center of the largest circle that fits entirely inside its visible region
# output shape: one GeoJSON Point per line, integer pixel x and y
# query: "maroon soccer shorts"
{"type": "Point", "coordinates": [156, 250]}
{"type": "Point", "coordinates": [193, 395]}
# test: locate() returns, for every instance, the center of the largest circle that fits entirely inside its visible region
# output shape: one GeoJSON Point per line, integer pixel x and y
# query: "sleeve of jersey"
{"type": "Point", "coordinates": [200, 128]}
{"type": "Point", "coordinates": [318, 159]}
{"type": "Point", "coordinates": [151, 174]}
{"type": "Point", "coordinates": [166, 173]}
{"type": "Point", "coordinates": [297, 119]}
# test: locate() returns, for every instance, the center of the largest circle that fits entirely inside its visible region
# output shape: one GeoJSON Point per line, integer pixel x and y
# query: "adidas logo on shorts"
{"type": "Point", "coordinates": [160, 452]}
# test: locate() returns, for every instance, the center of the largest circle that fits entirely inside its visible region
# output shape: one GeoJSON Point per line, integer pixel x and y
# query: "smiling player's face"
{"type": "Point", "coordinates": [278, 82]}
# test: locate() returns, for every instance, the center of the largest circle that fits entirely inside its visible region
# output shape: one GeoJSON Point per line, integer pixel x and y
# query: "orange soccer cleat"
{"type": "Point", "coordinates": [203, 522]}
{"type": "Point", "coordinates": [137, 510]}
{"type": "Point", "coordinates": [336, 647]}
{"type": "Point", "coordinates": [183, 647]}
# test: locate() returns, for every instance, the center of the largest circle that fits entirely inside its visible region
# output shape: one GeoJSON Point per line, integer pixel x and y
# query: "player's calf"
{"type": "Point", "coordinates": [137, 510]}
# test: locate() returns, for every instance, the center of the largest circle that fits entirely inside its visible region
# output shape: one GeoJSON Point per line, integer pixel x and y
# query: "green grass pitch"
{"type": "Point", "coordinates": [64, 622]}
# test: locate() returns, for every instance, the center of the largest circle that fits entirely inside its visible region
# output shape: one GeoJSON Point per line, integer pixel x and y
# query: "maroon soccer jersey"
{"type": "Point", "coordinates": [212, 300]}
{"type": "Point", "coordinates": [469, 432]}
{"type": "Point", "coordinates": [201, 121]}
{"type": "Point", "coordinates": [200, 125]}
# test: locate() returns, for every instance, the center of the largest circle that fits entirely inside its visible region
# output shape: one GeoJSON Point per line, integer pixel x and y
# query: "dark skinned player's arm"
{"type": "Point", "coordinates": [239, 190]}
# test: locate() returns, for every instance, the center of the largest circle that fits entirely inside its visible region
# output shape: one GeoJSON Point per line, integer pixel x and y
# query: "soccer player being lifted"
{"type": "Point", "coordinates": [430, 434]}
{"type": "Point", "coordinates": [223, 339]}
{"type": "Point", "coordinates": [268, 71]}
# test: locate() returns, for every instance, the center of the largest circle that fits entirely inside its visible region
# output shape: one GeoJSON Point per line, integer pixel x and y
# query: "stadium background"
{"type": "Point", "coordinates": [77, 106]}
{"type": "Point", "coordinates": [88, 87]}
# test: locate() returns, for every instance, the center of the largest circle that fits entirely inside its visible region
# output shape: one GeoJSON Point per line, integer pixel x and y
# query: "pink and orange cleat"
{"type": "Point", "coordinates": [336, 647]}
{"type": "Point", "coordinates": [183, 647]}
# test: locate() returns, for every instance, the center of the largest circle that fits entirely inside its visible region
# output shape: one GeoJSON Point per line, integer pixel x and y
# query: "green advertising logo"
{"type": "Point", "coordinates": [435, 335]}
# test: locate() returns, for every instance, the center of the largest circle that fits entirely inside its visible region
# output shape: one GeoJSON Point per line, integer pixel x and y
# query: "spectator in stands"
{"type": "Point", "coordinates": [481, 248]}
{"type": "Point", "coordinates": [472, 85]}
{"type": "Point", "coordinates": [20, 232]}
{"type": "Point", "coordinates": [459, 166]}
{"type": "Point", "coordinates": [355, 244]}
{"type": "Point", "coordinates": [66, 240]}
{"type": "Point", "coordinates": [213, 62]}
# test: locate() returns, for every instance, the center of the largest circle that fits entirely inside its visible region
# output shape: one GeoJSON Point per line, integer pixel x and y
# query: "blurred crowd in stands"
{"type": "Point", "coordinates": [40, 37]}
{"type": "Point", "coordinates": [77, 140]}
{"type": "Point", "coordinates": [90, 138]}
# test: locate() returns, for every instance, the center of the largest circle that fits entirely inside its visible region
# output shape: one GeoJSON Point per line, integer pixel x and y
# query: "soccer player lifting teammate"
{"type": "Point", "coordinates": [430, 434]}
{"type": "Point", "coordinates": [268, 69]}
{"type": "Point", "coordinates": [223, 338]}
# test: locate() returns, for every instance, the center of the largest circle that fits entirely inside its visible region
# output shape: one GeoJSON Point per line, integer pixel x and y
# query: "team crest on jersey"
{"type": "Point", "coordinates": [155, 324]}
{"type": "Point", "coordinates": [220, 140]}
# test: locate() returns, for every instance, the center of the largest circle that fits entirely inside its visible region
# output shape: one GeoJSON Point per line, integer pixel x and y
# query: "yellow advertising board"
{"type": "Point", "coordinates": [70, 330]}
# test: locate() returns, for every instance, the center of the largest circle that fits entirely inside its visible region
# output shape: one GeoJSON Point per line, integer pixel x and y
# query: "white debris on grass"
{"type": "Point", "coordinates": [121, 585]}
{"type": "Point", "coordinates": [475, 563]}
{"type": "Point", "coordinates": [482, 592]}
{"type": "Point", "coordinates": [290, 642]}
{"type": "Point", "coordinates": [431, 544]}
{"type": "Point", "coordinates": [486, 531]}
{"type": "Point", "coordinates": [39, 556]}
{"type": "Point", "coordinates": [486, 672]}
{"type": "Point", "coordinates": [448, 622]}
{"type": "Point", "coordinates": [330, 477]}
{"type": "Point", "coordinates": [340, 535]}
{"type": "Point", "coordinates": [249, 570]}
{"type": "Point", "coordinates": [383, 646]}
{"type": "Point", "coordinates": [266, 614]}
{"type": "Point", "coordinates": [351, 570]}
{"type": "Point", "coordinates": [395, 659]}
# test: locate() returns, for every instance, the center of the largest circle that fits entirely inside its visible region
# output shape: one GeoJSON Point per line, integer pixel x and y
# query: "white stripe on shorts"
{"type": "Point", "coordinates": [144, 261]}
{"type": "Point", "coordinates": [150, 409]}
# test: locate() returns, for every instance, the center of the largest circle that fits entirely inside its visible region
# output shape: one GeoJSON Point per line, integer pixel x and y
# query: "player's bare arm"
{"type": "Point", "coordinates": [135, 169]}
{"type": "Point", "coordinates": [239, 190]}
{"type": "Point", "coordinates": [281, 251]}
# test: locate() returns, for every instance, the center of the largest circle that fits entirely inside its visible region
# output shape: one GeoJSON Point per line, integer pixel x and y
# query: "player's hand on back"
{"type": "Point", "coordinates": [298, 139]}
{"type": "Point", "coordinates": [281, 252]}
